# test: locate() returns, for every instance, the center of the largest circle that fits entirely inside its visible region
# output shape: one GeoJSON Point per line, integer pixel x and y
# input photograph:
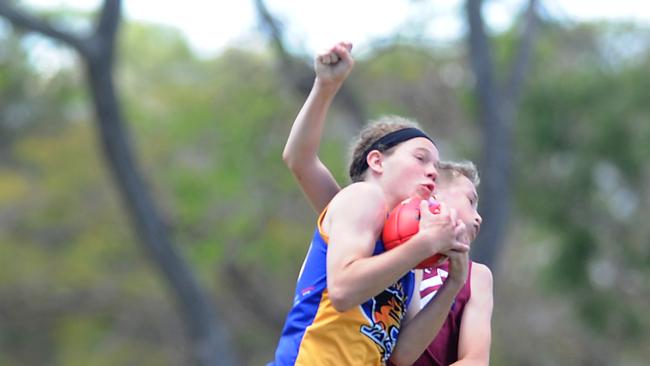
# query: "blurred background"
{"type": "Point", "coordinates": [146, 217]}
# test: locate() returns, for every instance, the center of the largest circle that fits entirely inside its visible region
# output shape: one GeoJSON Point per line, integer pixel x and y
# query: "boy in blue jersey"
{"type": "Point", "coordinates": [353, 299]}
{"type": "Point", "coordinates": [456, 342]}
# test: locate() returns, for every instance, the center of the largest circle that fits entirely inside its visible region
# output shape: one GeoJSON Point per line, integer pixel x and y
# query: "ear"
{"type": "Point", "coordinates": [375, 160]}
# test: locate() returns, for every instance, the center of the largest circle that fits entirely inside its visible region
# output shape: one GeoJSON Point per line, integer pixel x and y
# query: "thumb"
{"type": "Point", "coordinates": [453, 215]}
{"type": "Point", "coordinates": [459, 229]}
{"type": "Point", "coordinates": [343, 51]}
{"type": "Point", "coordinates": [424, 209]}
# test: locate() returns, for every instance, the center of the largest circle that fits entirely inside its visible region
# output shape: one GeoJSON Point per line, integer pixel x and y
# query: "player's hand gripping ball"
{"type": "Point", "coordinates": [403, 222]}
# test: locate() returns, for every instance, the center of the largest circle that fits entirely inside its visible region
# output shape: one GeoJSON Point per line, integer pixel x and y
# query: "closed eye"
{"type": "Point", "coordinates": [423, 155]}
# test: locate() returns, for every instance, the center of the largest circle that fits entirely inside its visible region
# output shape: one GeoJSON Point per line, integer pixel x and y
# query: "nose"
{"type": "Point", "coordinates": [477, 222]}
{"type": "Point", "coordinates": [432, 172]}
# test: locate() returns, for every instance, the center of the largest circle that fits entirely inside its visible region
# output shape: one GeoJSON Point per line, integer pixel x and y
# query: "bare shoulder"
{"type": "Point", "coordinates": [481, 278]}
{"type": "Point", "coordinates": [359, 195]}
{"type": "Point", "coordinates": [360, 203]}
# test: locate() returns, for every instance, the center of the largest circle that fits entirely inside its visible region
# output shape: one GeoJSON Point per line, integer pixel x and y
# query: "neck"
{"type": "Point", "coordinates": [390, 198]}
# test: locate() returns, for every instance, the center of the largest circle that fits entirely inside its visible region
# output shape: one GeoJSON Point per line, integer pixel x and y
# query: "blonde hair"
{"type": "Point", "coordinates": [372, 132]}
{"type": "Point", "coordinates": [450, 170]}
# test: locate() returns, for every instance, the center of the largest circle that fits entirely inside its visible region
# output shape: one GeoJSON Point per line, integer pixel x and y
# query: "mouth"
{"type": "Point", "coordinates": [429, 188]}
{"type": "Point", "coordinates": [477, 228]}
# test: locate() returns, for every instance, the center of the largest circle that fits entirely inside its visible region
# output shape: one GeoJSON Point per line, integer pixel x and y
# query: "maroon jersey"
{"type": "Point", "coordinates": [444, 348]}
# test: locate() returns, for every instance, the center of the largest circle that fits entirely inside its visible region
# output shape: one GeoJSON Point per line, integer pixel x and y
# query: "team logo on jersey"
{"type": "Point", "coordinates": [385, 312]}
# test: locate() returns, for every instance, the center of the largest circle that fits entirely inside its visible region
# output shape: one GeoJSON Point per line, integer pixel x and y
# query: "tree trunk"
{"type": "Point", "coordinates": [210, 341]}
{"type": "Point", "coordinates": [497, 114]}
{"type": "Point", "coordinates": [208, 337]}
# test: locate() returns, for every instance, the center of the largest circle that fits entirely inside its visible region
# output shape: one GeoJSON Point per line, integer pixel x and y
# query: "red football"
{"type": "Point", "coordinates": [403, 222]}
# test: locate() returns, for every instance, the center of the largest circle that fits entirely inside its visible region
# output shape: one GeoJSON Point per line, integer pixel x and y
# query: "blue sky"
{"type": "Point", "coordinates": [210, 25]}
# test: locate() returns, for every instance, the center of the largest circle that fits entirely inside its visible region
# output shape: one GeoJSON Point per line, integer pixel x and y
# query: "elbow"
{"type": "Point", "coordinates": [398, 359]}
{"type": "Point", "coordinates": [287, 158]}
{"type": "Point", "coordinates": [340, 300]}
{"type": "Point", "coordinates": [291, 161]}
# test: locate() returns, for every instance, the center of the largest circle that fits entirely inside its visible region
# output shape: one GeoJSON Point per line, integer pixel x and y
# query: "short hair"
{"type": "Point", "coordinates": [450, 170]}
{"type": "Point", "coordinates": [372, 132]}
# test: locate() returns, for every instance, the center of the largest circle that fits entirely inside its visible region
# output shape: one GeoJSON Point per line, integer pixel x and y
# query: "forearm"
{"type": "Point", "coordinates": [366, 277]}
{"type": "Point", "coordinates": [475, 329]}
{"type": "Point", "coordinates": [470, 362]}
{"type": "Point", "coordinates": [422, 329]}
{"type": "Point", "coordinates": [306, 132]}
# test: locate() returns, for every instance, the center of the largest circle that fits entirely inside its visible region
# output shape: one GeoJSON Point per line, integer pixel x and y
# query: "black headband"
{"type": "Point", "coordinates": [391, 139]}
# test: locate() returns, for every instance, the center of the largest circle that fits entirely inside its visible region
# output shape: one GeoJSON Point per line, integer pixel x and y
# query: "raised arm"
{"type": "Point", "coordinates": [300, 153]}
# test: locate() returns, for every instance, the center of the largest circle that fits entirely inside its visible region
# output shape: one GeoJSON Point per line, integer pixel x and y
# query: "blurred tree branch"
{"type": "Point", "coordinates": [299, 72]}
{"type": "Point", "coordinates": [248, 288]}
{"type": "Point", "coordinates": [497, 114]}
{"type": "Point", "coordinates": [26, 21]}
{"type": "Point", "coordinates": [521, 61]}
{"type": "Point", "coordinates": [97, 51]}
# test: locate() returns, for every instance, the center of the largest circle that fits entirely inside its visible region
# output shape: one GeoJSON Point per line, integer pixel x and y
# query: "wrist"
{"type": "Point", "coordinates": [327, 86]}
{"type": "Point", "coordinates": [454, 282]}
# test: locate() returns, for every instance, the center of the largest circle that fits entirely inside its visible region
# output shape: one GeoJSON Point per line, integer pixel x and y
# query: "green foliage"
{"type": "Point", "coordinates": [423, 84]}
{"type": "Point", "coordinates": [209, 134]}
{"type": "Point", "coordinates": [583, 173]}
{"type": "Point", "coordinates": [218, 128]}
{"type": "Point", "coordinates": [67, 254]}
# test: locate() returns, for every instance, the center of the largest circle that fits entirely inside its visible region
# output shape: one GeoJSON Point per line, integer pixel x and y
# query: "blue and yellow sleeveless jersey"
{"type": "Point", "coordinates": [317, 334]}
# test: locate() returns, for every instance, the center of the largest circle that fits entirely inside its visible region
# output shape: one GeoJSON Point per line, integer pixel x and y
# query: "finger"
{"type": "Point", "coordinates": [344, 53]}
{"type": "Point", "coordinates": [453, 214]}
{"type": "Point", "coordinates": [445, 213]}
{"type": "Point", "coordinates": [453, 255]}
{"type": "Point", "coordinates": [460, 247]}
{"type": "Point", "coordinates": [442, 259]}
{"type": "Point", "coordinates": [424, 209]}
{"type": "Point", "coordinates": [444, 209]}
{"type": "Point", "coordinates": [434, 206]}
{"type": "Point", "coordinates": [459, 228]}
{"type": "Point", "coordinates": [324, 52]}
{"type": "Point", "coordinates": [347, 45]}
{"type": "Point", "coordinates": [335, 58]}
{"type": "Point", "coordinates": [458, 254]}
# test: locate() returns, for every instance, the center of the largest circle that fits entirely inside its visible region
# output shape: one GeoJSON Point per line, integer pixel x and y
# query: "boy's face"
{"type": "Point", "coordinates": [411, 168]}
{"type": "Point", "coordinates": [460, 194]}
